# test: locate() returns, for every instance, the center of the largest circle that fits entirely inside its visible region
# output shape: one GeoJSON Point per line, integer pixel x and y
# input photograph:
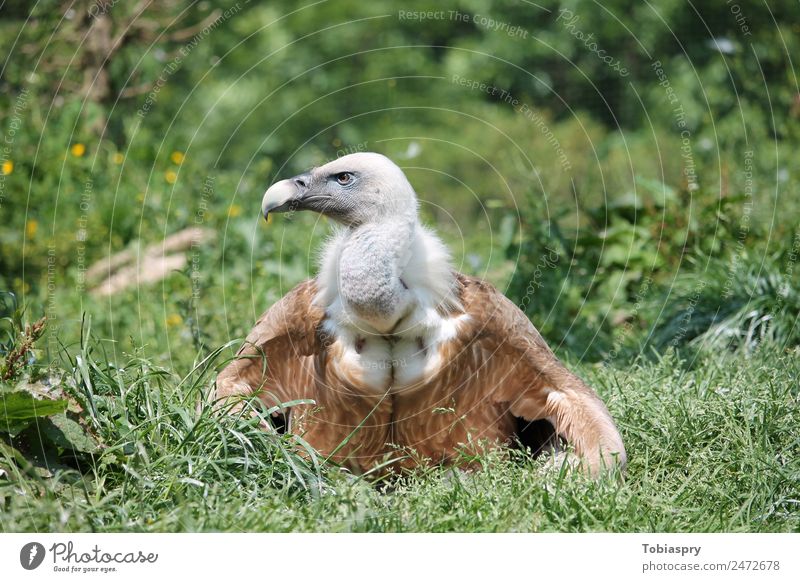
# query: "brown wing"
{"type": "Point", "coordinates": [527, 377]}
{"type": "Point", "coordinates": [276, 360]}
{"type": "Point", "coordinates": [284, 359]}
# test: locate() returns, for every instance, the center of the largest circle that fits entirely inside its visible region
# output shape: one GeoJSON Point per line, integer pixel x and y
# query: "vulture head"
{"type": "Point", "coordinates": [353, 190]}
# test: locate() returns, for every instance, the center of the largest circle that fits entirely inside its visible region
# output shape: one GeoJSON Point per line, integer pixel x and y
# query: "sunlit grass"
{"type": "Point", "coordinates": [712, 448]}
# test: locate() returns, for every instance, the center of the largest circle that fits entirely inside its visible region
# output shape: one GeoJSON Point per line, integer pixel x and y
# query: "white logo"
{"type": "Point", "coordinates": [31, 555]}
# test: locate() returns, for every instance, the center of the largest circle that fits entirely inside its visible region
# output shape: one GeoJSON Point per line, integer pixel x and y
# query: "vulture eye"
{"type": "Point", "coordinates": [344, 178]}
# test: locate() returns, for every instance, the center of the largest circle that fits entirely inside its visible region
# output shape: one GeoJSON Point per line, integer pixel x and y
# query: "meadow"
{"type": "Point", "coordinates": [646, 222]}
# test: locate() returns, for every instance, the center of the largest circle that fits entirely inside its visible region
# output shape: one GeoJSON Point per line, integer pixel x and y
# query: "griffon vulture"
{"type": "Point", "coordinates": [404, 357]}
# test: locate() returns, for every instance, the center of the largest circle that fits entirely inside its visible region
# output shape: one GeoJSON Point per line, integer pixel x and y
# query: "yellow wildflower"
{"type": "Point", "coordinates": [77, 149]}
{"type": "Point", "coordinates": [234, 210]}
{"type": "Point", "coordinates": [8, 167]}
{"type": "Point", "coordinates": [177, 158]}
{"type": "Point", "coordinates": [337, 142]}
{"type": "Point", "coordinates": [30, 228]}
{"type": "Point", "coordinates": [118, 158]}
{"type": "Point", "coordinates": [173, 319]}
{"type": "Point", "coordinates": [171, 177]}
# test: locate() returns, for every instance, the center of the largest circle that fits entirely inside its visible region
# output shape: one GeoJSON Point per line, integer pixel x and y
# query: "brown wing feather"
{"type": "Point", "coordinates": [275, 360]}
{"type": "Point", "coordinates": [531, 381]}
{"type": "Point", "coordinates": [285, 358]}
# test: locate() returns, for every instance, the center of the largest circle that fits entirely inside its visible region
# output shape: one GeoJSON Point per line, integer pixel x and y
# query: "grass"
{"type": "Point", "coordinates": [713, 445]}
{"type": "Point", "coordinates": [734, 305]}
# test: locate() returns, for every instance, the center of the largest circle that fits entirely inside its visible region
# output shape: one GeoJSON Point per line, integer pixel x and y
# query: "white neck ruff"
{"type": "Point", "coordinates": [425, 269]}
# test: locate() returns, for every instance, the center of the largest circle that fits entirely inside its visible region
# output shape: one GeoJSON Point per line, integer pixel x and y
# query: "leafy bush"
{"type": "Point", "coordinates": [144, 430]}
{"type": "Point", "coordinates": [40, 424]}
{"type": "Point", "coordinates": [735, 305]}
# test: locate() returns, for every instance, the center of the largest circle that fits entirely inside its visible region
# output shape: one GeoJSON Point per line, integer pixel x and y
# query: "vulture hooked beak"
{"type": "Point", "coordinates": [286, 195]}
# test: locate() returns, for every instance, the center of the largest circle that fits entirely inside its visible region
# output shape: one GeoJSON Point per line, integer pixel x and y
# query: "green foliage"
{"type": "Point", "coordinates": [266, 90]}
{"type": "Point", "coordinates": [624, 212]}
{"type": "Point", "coordinates": [39, 422]}
{"type": "Point", "coordinates": [19, 408]}
{"type": "Point", "coordinates": [708, 452]}
{"type": "Point", "coordinates": [738, 305]}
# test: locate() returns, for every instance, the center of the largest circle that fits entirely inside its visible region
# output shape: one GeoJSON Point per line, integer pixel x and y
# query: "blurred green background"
{"type": "Point", "coordinates": [627, 172]}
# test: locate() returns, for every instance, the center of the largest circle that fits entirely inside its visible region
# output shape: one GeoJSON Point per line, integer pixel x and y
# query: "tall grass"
{"type": "Point", "coordinates": [736, 304]}
{"type": "Point", "coordinates": [713, 448]}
